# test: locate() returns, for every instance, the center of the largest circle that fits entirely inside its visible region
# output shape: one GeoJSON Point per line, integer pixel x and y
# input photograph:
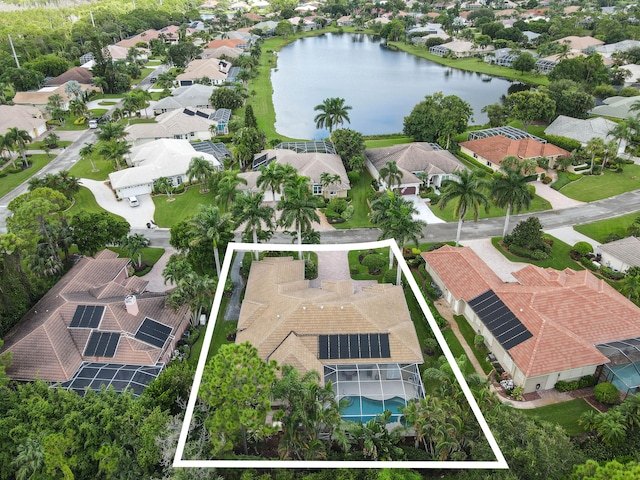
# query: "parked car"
{"type": "Point", "coordinates": [133, 201]}
{"type": "Point", "coordinates": [93, 123]}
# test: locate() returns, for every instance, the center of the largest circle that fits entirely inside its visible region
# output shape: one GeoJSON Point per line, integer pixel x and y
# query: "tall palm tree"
{"type": "Point", "coordinates": [391, 174]}
{"type": "Point", "coordinates": [164, 184]}
{"type": "Point", "coordinates": [271, 177]}
{"type": "Point", "coordinates": [228, 187]}
{"type": "Point", "coordinates": [469, 192]}
{"type": "Point", "coordinates": [114, 150]}
{"type": "Point", "coordinates": [87, 152]}
{"type": "Point", "coordinates": [327, 179]}
{"type": "Point", "coordinates": [200, 169]}
{"type": "Point", "coordinates": [299, 209]}
{"type": "Point", "coordinates": [333, 112]}
{"type": "Point", "coordinates": [30, 458]}
{"type": "Point", "coordinates": [250, 211]}
{"type": "Point", "coordinates": [594, 147]}
{"type": "Point", "coordinates": [133, 245]}
{"type": "Point", "coordinates": [111, 131]}
{"type": "Point", "coordinates": [210, 225]}
{"type": "Point", "coordinates": [194, 290]}
{"type": "Point", "coordinates": [18, 139]}
{"type": "Point", "coordinates": [512, 191]}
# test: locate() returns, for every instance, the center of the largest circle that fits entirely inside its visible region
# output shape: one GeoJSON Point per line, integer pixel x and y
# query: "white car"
{"type": "Point", "coordinates": [93, 123]}
{"type": "Point", "coordinates": [133, 201]}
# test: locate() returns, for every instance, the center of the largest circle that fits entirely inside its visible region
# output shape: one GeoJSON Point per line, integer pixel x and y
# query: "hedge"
{"type": "Point", "coordinates": [584, 382]}
{"type": "Point", "coordinates": [563, 142]}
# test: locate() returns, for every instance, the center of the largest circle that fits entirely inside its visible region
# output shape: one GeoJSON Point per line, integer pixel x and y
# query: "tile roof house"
{"type": "Point", "coordinates": [78, 74]}
{"type": "Point", "coordinates": [181, 123]}
{"type": "Point", "coordinates": [492, 150]}
{"type": "Point", "coordinates": [616, 107]}
{"type": "Point", "coordinates": [335, 330]}
{"type": "Point", "coordinates": [580, 43]}
{"type": "Point", "coordinates": [584, 130]}
{"type": "Point", "coordinates": [620, 254]}
{"type": "Point", "coordinates": [83, 318]}
{"type": "Point", "coordinates": [24, 117]}
{"type": "Point", "coordinates": [543, 328]}
{"type": "Point", "coordinates": [219, 52]}
{"type": "Point", "coordinates": [40, 98]}
{"type": "Point", "coordinates": [212, 70]}
{"type": "Point", "coordinates": [192, 96]}
{"type": "Point", "coordinates": [429, 160]}
{"type": "Point", "coordinates": [311, 165]}
{"type": "Point", "coordinates": [160, 158]}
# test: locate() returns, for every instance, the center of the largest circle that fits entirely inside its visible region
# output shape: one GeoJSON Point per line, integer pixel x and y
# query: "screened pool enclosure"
{"type": "Point", "coordinates": [623, 369]}
{"type": "Point", "coordinates": [370, 389]}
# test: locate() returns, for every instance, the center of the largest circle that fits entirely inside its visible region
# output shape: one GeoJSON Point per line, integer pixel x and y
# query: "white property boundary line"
{"type": "Point", "coordinates": [500, 462]}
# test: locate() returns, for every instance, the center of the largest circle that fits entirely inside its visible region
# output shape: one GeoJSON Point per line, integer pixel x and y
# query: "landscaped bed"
{"type": "Point", "coordinates": [150, 256]}
{"type": "Point", "coordinates": [558, 258]}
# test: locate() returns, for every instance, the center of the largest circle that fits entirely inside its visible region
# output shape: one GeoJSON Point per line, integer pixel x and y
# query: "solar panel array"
{"type": "Point", "coordinates": [186, 111]}
{"type": "Point", "coordinates": [354, 345]}
{"type": "Point", "coordinates": [506, 328]}
{"type": "Point", "coordinates": [87, 316]}
{"type": "Point", "coordinates": [153, 333]}
{"type": "Point", "coordinates": [94, 375]}
{"type": "Point", "coordinates": [102, 344]}
{"type": "Point", "coordinates": [202, 114]}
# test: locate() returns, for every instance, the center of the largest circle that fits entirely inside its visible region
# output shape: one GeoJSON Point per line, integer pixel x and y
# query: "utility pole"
{"type": "Point", "coordinates": [14, 52]}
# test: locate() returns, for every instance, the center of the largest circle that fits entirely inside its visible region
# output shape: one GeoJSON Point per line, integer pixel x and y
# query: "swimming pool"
{"type": "Point", "coordinates": [626, 376]}
{"type": "Point", "coordinates": [363, 409]}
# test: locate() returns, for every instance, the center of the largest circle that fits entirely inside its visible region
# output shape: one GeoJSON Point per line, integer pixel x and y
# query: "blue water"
{"type": "Point", "coordinates": [627, 374]}
{"type": "Point", "coordinates": [364, 409]}
{"type": "Point", "coordinates": [381, 86]}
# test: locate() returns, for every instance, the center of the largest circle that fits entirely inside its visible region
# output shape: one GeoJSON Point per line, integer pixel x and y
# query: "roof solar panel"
{"type": "Point", "coordinates": [374, 339]}
{"type": "Point", "coordinates": [503, 324]}
{"type": "Point", "coordinates": [87, 316]}
{"type": "Point", "coordinates": [92, 344]}
{"type": "Point", "coordinates": [365, 350]}
{"type": "Point", "coordinates": [75, 321]}
{"type": "Point", "coordinates": [385, 352]}
{"type": "Point", "coordinates": [186, 111]}
{"type": "Point", "coordinates": [354, 346]}
{"type": "Point", "coordinates": [153, 333]}
{"type": "Point", "coordinates": [323, 347]}
{"type": "Point", "coordinates": [333, 346]}
{"type": "Point", "coordinates": [343, 340]}
{"type": "Point", "coordinates": [202, 114]}
{"type": "Point", "coordinates": [102, 344]}
{"type": "Point", "coordinates": [349, 346]}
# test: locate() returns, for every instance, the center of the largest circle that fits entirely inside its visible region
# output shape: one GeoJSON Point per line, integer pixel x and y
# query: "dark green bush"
{"type": "Point", "coordinates": [431, 346]}
{"type": "Point", "coordinates": [310, 270]}
{"type": "Point", "coordinates": [583, 248]}
{"type": "Point", "coordinates": [390, 276]}
{"type": "Point", "coordinates": [547, 180]}
{"type": "Point", "coordinates": [585, 262]}
{"type": "Point", "coordinates": [374, 263]}
{"type": "Point", "coordinates": [338, 205]}
{"type": "Point", "coordinates": [354, 177]}
{"type": "Point", "coordinates": [563, 142]}
{"type": "Point", "coordinates": [587, 381]}
{"type": "Point", "coordinates": [526, 253]}
{"type": "Point", "coordinates": [611, 274]}
{"type": "Point", "coordinates": [563, 386]}
{"type": "Point", "coordinates": [606, 392]}
{"type": "Point", "coordinates": [429, 291]}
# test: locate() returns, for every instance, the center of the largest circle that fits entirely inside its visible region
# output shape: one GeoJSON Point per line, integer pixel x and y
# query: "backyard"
{"type": "Point", "coordinates": [565, 414]}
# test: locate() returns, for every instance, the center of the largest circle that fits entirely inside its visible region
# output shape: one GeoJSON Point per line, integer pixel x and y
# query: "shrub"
{"type": "Point", "coordinates": [547, 180]}
{"type": "Point", "coordinates": [606, 392]}
{"type": "Point", "coordinates": [612, 237]}
{"type": "Point", "coordinates": [390, 276]}
{"type": "Point", "coordinates": [431, 346]}
{"type": "Point", "coordinates": [338, 205]}
{"type": "Point", "coordinates": [587, 381]}
{"type": "Point", "coordinates": [436, 246]}
{"type": "Point", "coordinates": [429, 291]}
{"type": "Point", "coordinates": [310, 270]}
{"type": "Point", "coordinates": [478, 341]}
{"type": "Point", "coordinates": [611, 274]}
{"type": "Point", "coordinates": [517, 393]}
{"type": "Point", "coordinates": [583, 248]}
{"type": "Point", "coordinates": [374, 263]}
{"type": "Point", "coordinates": [538, 255]}
{"type": "Point", "coordinates": [348, 213]}
{"type": "Point", "coordinates": [564, 142]}
{"type": "Point", "coordinates": [586, 262]}
{"type": "Point", "coordinates": [354, 177]}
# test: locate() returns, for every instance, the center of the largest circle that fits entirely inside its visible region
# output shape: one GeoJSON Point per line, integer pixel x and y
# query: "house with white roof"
{"type": "Point", "coordinates": [190, 96]}
{"type": "Point", "coordinates": [212, 71]}
{"type": "Point", "coordinates": [183, 123]}
{"type": "Point", "coordinates": [616, 107]}
{"type": "Point", "coordinates": [584, 130]}
{"type": "Point", "coordinates": [620, 254]}
{"type": "Point", "coordinates": [160, 158]}
{"type": "Point", "coordinates": [23, 117]}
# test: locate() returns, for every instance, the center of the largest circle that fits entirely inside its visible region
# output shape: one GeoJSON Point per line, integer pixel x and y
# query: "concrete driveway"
{"type": "Point", "coordinates": [569, 236]}
{"type": "Point", "coordinates": [138, 217]}
{"type": "Point", "coordinates": [424, 212]}
{"type": "Point", "coordinates": [494, 259]}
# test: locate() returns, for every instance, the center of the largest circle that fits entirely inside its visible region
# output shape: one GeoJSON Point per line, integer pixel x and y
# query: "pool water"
{"type": "Point", "coordinates": [363, 409]}
{"type": "Point", "coordinates": [626, 374]}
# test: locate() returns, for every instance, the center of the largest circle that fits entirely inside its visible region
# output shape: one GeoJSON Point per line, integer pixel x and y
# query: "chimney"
{"type": "Point", "coordinates": [131, 305]}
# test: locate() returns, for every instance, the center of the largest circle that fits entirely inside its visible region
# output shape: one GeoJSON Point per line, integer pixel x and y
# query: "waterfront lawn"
{"type": "Point", "coordinates": [184, 206]}
{"type": "Point", "coordinates": [537, 204]}
{"type": "Point", "coordinates": [82, 168]}
{"type": "Point", "coordinates": [565, 414]}
{"type": "Point", "coordinates": [469, 335]}
{"type": "Point", "coordinates": [596, 187]}
{"type": "Point", "coordinates": [558, 259]}
{"type": "Point", "coordinates": [600, 230]}
{"type": "Point", "coordinates": [12, 180]}
{"type": "Point", "coordinates": [386, 141]}
{"type": "Point", "coordinates": [358, 195]}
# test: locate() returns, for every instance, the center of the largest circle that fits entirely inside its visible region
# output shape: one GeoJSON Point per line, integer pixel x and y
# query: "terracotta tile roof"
{"type": "Point", "coordinates": [227, 42]}
{"type": "Point", "coordinates": [568, 312]}
{"type": "Point", "coordinates": [496, 148]}
{"type": "Point", "coordinates": [43, 345]}
{"type": "Point", "coordinates": [79, 74]}
{"type": "Point", "coordinates": [282, 317]}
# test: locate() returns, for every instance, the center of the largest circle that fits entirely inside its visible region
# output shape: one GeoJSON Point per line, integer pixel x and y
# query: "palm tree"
{"type": "Point", "coordinates": [594, 147]}
{"type": "Point", "coordinates": [468, 190]}
{"type": "Point", "coordinates": [114, 150]}
{"type": "Point", "coordinates": [200, 169]}
{"type": "Point", "coordinates": [271, 177]}
{"type": "Point", "coordinates": [512, 191]}
{"type": "Point", "coordinates": [630, 287]}
{"type": "Point", "coordinates": [87, 152]}
{"type": "Point", "coordinates": [227, 187]}
{"type": "Point", "coordinates": [101, 83]}
{"type": "Point", "coordinates": [18, 139]}
{"type": "Point", "coordinates": [177, 267]}
{"type": "Point", "coordinates": [111, 131]}
{"type": "Point", "coordinates": [209, 224]}
{"type": "Point", "coordinates": [30, 459]}
{"type": "Point", "coordinates": [333, 113]}
{"type": "Point", "coordinates": [250, 211]}
{"type": "Point", "coordinates": [299, 209]}
{"type": "Point", "coordinates": [133, 245]}
{"type": "Point", "coordinates": [327, 179]}
{"type": "Point", "coordinates": [164, 184]}
{"type": "Point", "coordinates": [193, 290]}
{"type": "Point", "coordinates": [391, 174]}
{"type": "Point", "coordinates": [78, 107]}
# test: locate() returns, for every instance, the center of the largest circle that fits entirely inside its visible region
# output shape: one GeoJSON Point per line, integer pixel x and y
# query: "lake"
{"type": "Point", "coordinates": [381, 85]}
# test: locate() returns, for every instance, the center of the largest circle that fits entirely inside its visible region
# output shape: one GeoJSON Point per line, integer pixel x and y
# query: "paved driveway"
{"type": "Point", "coordinates": [424, 212]}
{"type": "Point", "coordinates": [138, 217]}
{"type": "Point", "coordinates": [494, 259]}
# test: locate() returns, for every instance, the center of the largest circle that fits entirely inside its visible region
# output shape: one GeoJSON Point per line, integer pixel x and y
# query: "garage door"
{"type": "Point", "coordinates": [133, 191]}
{"type": "Point", "coordinates": [408, 191]}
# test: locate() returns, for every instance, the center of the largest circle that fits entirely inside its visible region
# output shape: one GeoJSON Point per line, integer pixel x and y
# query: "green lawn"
{"type": "Point", "coordinates": [558, 258]}
{"type": "Point", "coordinates": [537, 204]}
{"type": "Point", "coordinates": [107, 103]}
{"type": "Point", "coordinates": [386, 141]}
{"type": "Point", "coordinates": [98, 112]}
{"type": "Point", "coordinates": [596, 187]}
{"type": "Point", "coordinates": [150, 256]}
{"type": "Point", "coordinates": [469, 335]}
{"type": "Point", "coordinates": [363, 273]}
{"type": "Point", "coordinates": [219, 338]}
{"type": "Point", "coordinates": [40, 145]}
{"type": "Point", "coordinates": [184, 206]}
{"type": "Point", "coordinates": [69, 125]}
{"type": "Point", "coordinates": [82, 168]}
{"type": "Point", "coordinates": [358, 194]}
{"type": "Point", "coordinates": [456, 348]}
{"type": "Point", "coordinates": [84, 201]}
{"type": "Point", "coordinates": [600, 230]}
{"type": "Point", "coordinates": [565, 414]}
{"type": "Point", "coordinates": [12, 180]}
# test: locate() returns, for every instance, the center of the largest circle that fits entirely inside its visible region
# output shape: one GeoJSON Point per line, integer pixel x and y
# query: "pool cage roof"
{"type": "Point", "coordinates": [307, 147]}
{"type": "Point", "coordinates": [624, 366]}
{"type": "Point", "coordinates": [509, 132]}
{"type": "Point", "coordinates": [368, 389]}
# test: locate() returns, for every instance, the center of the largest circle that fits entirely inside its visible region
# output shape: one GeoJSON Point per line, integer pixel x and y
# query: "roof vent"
{"type": "Point", "coordinates": [131, 304]}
